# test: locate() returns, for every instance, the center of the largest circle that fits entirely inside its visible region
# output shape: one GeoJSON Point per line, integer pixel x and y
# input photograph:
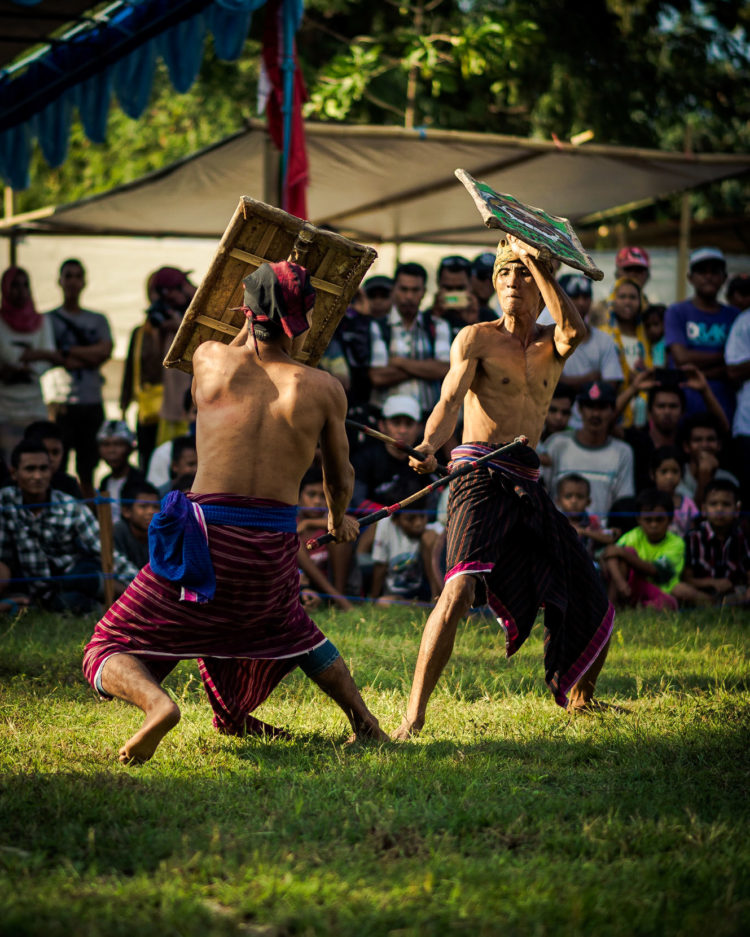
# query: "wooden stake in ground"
{"type": "Point", "coordinates": [104, 516]}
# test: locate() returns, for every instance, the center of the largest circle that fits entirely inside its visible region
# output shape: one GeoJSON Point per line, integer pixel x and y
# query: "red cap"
{"type": "Point", "coordinates": [632, 257]}
{"type": "Point", "coordinates": [169, 278]}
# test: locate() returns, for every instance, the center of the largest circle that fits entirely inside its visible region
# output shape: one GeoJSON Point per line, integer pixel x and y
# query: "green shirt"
{"type": "Point", "coordinates": [668, 554]}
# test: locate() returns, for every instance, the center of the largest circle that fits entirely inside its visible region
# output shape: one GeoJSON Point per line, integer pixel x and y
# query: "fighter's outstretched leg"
{"type": "Point", "coordinates": [127, 678]}
{"type": "Point", "coordinates": [435, 650]}
{"type": "Point", "coordinates": [336, 681]}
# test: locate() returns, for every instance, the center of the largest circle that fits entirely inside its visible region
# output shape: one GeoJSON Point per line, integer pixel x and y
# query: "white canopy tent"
{"type": "Point", "coordinates": [385, 184]}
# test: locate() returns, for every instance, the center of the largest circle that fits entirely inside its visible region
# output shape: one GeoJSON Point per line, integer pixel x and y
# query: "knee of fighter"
{"type": "Point", "coordinates": [459, 592]}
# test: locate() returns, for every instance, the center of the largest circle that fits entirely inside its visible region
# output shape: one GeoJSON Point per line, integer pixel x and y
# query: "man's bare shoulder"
{"type": "Point", "coordinates": [210, 351]}
{"type": "Point", "coordinates": [473, 338]}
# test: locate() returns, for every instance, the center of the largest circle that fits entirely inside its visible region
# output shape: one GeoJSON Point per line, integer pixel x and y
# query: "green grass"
{"type": "Point", "coordinates": [505, 817]}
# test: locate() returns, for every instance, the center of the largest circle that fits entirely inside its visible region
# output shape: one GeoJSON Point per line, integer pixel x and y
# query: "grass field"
{"type": "Point", "coordinates": [505, 817]}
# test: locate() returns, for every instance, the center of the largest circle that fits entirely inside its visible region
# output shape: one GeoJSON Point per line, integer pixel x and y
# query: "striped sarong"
{"type": "Point", "coordinates": [504, 529]}
{"type": "Point", "coordinates": [245, 639]}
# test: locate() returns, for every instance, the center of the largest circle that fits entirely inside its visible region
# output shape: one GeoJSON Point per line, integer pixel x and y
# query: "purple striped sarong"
{"type": "Point", "coordinates": [504, 529]}
{"type": "Point", "coordinates": [245, 639]}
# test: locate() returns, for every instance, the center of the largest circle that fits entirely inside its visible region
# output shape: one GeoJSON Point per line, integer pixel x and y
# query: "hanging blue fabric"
{"type": "Point", "coordinates": [230, 28]}
{"type": "Point", "coordinates": [15, 154]}
{"type": "Point", "coordinates": [92, 98]}
{"type": "Point", "coordinates": [133, 78]}
{"type": "Point", "coordinates": [181, 48]}
{"type": "Point", "coordinates": [53, 130]}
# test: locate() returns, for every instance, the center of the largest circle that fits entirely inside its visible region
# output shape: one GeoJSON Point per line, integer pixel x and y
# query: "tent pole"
{"type": "Point", "coordinates": [8, 212]}
{"type": "Point", "coordinates": [271, 194]}
{"type": "Point", "coordinates": [683, 243]}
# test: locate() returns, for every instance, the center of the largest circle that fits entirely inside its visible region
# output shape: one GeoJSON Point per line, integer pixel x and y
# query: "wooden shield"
{"type": "Point", "coordinates": [534, 226]}
{"type": "Point", "coordinates": [258, 233]}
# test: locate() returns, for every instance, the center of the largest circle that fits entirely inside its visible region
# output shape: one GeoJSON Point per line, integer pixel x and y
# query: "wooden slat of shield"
{"type": "Point", "coordinates": [258, 233]}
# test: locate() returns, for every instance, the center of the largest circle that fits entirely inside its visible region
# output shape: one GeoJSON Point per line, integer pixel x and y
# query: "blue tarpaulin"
{"type": "Point", "coordinates": [116, 56]}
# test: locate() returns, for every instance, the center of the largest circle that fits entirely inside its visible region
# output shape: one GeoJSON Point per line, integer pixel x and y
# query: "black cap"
{"type": "Point", "coordinates": [482, 265]}
{"type": "Point", "coordinates": [377, 283]}
{"type": "Point", "coordinates": [575, 284]}
{"type": "Point", "coordinates": [598, 392]}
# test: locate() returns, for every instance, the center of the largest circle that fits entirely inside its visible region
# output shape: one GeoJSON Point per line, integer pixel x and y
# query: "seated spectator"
{"type": "Point", "coordinates": [665, 409]}
{"type": "Point", "coordinates": [51, 540]}
{"type": "Point", "coordinates": [666, 472]}
{"type": "Point", "coordinates": [556, 421]}
{"type": "Point", "coordinates": [402, 554]}
{"type": "Point", "coordinates": [51, 436]}
{"type": "Point", "coordinates": [572, 497]}
{"type": "Point", "coordinates": [644, 566]}
{"type": "Point", "coordinates": [139, 501]}
{"type": "Point", "coordinates": [592, 451]}
{"type": "Point", "coordinates": [653, 325]}
{"type": "Point", "coordinates": [183, 483]}
{"type": "Point", "coordinates": [717, 560]}
{"type": "Point", "coordinates": [410, 350]}
{"type": "Point", "coordinates": [116, 444]}
{"type": "Point", "coordinates": [184, 462]}
{"type": "Point", "coordinates": [701, 443]}
{"type": "Point", "coordinates": [330, 558]}
{"type": "Point", "coordinates": [633, 349]}
{"type": "Point", "coordinates": [161, 458]}
{"type": "Point", "coordinates": [738, 291]}
{"type": "Point", "coordinates": [696, 329]}
{"type": "Point", "coordinates": [455, 301]}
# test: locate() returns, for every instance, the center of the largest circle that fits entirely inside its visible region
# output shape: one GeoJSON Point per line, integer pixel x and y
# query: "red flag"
{"type": "Point", "coordinates": [294, 186]}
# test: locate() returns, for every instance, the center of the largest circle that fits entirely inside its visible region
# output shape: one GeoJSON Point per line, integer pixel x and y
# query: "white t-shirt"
{"type": "Point", "coordinates": [158, 465]}
{"type": "Point", "coordinates": [608, 468]}
{"type": "Point", "coordinates": [736, 351]}
{"type": "Point", "coordinates": [401, 555]}
{"type": "Point", "coordinates": [22, 402]}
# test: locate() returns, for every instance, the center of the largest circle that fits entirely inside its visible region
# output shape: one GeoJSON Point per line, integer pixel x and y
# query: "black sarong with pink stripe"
{"type": "Point", "coordinates": [504, 529]}
{"type": "Point", "coordinates": [246, 638]}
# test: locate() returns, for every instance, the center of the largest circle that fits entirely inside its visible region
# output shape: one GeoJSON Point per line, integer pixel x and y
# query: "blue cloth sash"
{"type": "Point", "coordinates": [178, 545]}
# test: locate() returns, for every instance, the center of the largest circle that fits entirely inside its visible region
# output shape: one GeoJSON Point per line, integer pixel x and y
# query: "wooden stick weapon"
{"type": "Point", "coordinates": [435, 486]}
{"type": "Point", "coordinates": [415, 453]}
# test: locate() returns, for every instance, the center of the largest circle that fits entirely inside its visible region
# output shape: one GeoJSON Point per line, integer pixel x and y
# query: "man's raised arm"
{"type": "Point", "coordinates": [442, 420]}
{"type": "Point", "coordinates": [570, 329]}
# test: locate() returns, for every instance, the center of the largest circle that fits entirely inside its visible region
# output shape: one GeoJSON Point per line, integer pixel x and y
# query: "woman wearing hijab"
{"type": "Point", "coordinates": [27, 350]}
{"type": "Point", "coordinates": [630, 337]}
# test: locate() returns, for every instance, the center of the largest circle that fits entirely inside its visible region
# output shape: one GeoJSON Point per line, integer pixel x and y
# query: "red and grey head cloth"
{"type": "Point", "coordinates": [280, 293]}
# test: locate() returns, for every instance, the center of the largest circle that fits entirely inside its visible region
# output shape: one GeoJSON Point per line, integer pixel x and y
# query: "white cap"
{"type": "Point", "coordinates": [702, 254]}
{"type": "Point", "coordinates": [402, 405]}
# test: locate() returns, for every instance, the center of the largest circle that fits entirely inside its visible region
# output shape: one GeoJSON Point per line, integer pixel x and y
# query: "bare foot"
{"type": "Point", "coordinates": [407, 730]}
{"type": "Point", "coordinates": [144, 743]}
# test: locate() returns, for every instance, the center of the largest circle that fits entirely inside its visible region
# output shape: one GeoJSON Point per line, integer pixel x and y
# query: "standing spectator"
{"type": "Point", "coordinates": [410, 349]}
{"type": "Point", "coordinates": [50, 539]}
{"type": "Point", "coordinates": [634, 263]}
{"type": "Point", "coordinates": [738, 291]}
{"type": "Point", "coordinates": [455, 301]}
{"type": "Point", "coordinates": [717, 558]}
{"type": "Point", "coordinates": [27, 349]}
{"type": "Point", "coordinates": [696, 329]}
{"type": "Point", "coordinates": [737, 353]}
{"type": "Point", "coordinates": [653, 326]}
{"type": "Point", "coordinates": [354, 336]}
{"type": "Point", "coordinates": [629, 336]}
{"type": "Point", "coordinates": [591, 451]}
{"type": "Point", "coordinates": [645, 564]}
{"type": "Point", "coordinates": [173, 292]}
{"type": "Point", "coordinates": [50, 435]}
{"type": "Point", "coordinates": [116, 444]}
{"type": "Point", "coordinates": [702, 446]}
{"type": "Point", "coordinates": [84, 339]}
{"type": "Point", "coordinates": [481, 283]}
{"type": "Point", "coordinates": [139, 502]}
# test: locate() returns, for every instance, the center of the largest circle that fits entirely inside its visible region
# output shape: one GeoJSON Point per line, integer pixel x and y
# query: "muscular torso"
{"type": "Point", "coordinates": [512, 386]}
{"type": "Point", "coordinates": [259, 421]}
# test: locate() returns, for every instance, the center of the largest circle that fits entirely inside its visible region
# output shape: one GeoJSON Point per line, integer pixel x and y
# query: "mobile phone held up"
{"type": "Point", "coordinates": [670, 375]}
{"type": "Point", "coordinates": [457, 300]}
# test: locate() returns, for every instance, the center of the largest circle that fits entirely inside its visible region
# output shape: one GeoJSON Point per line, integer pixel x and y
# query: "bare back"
{"type": "Point", "coordinates": [260, 420]}
{"type": "Point", "coordinates": [512, 385]}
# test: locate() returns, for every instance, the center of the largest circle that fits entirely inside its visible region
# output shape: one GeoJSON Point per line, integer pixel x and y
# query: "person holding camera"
{"type": "Point", "coordinates": [455, 302]}
{"type": "Point", "coordinates": [158, 391]}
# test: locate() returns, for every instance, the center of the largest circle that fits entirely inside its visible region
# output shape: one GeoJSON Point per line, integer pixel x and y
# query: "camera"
{"type": "Point", "coordinates": [158, 312]}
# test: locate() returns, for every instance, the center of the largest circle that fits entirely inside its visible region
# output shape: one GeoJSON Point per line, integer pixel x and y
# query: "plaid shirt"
{"type": "Point", "coordinates": [415, 343]}
{"type": "Point", "coordinates": [707, 555]}
{"type": "Point", "coordinates": [49, 543]}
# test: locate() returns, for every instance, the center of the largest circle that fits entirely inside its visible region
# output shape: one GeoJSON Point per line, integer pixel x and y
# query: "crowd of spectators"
{"type": "Point", "coordinates": [646, 447]}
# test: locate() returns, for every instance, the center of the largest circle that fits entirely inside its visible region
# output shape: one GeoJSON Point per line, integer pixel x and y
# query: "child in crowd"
{"type": "Point", "coordinates": [116, 444]}
{"type": "Point", "coordinates": [312, 520]}
{"type": "Point", "coordinates": [653, 325]}
{"type": "Point", "coordinates": [139, 501]}
{"type": "Point", "coordinates": [666, 471]}
{"type": "Point", "coordinates": [572, 497]}
{"type": "Point", "coordinates": [184, 462]}
{"type": "Point", "coordinates": [644, 565]}
{"type": "Point", "coordinates": [717, 558]}
{"type": "Point", "coordinates": [403, 553]}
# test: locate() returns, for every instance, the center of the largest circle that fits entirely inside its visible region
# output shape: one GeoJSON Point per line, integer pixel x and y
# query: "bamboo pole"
{"type": "Point", "coordinates": [106, 541]}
